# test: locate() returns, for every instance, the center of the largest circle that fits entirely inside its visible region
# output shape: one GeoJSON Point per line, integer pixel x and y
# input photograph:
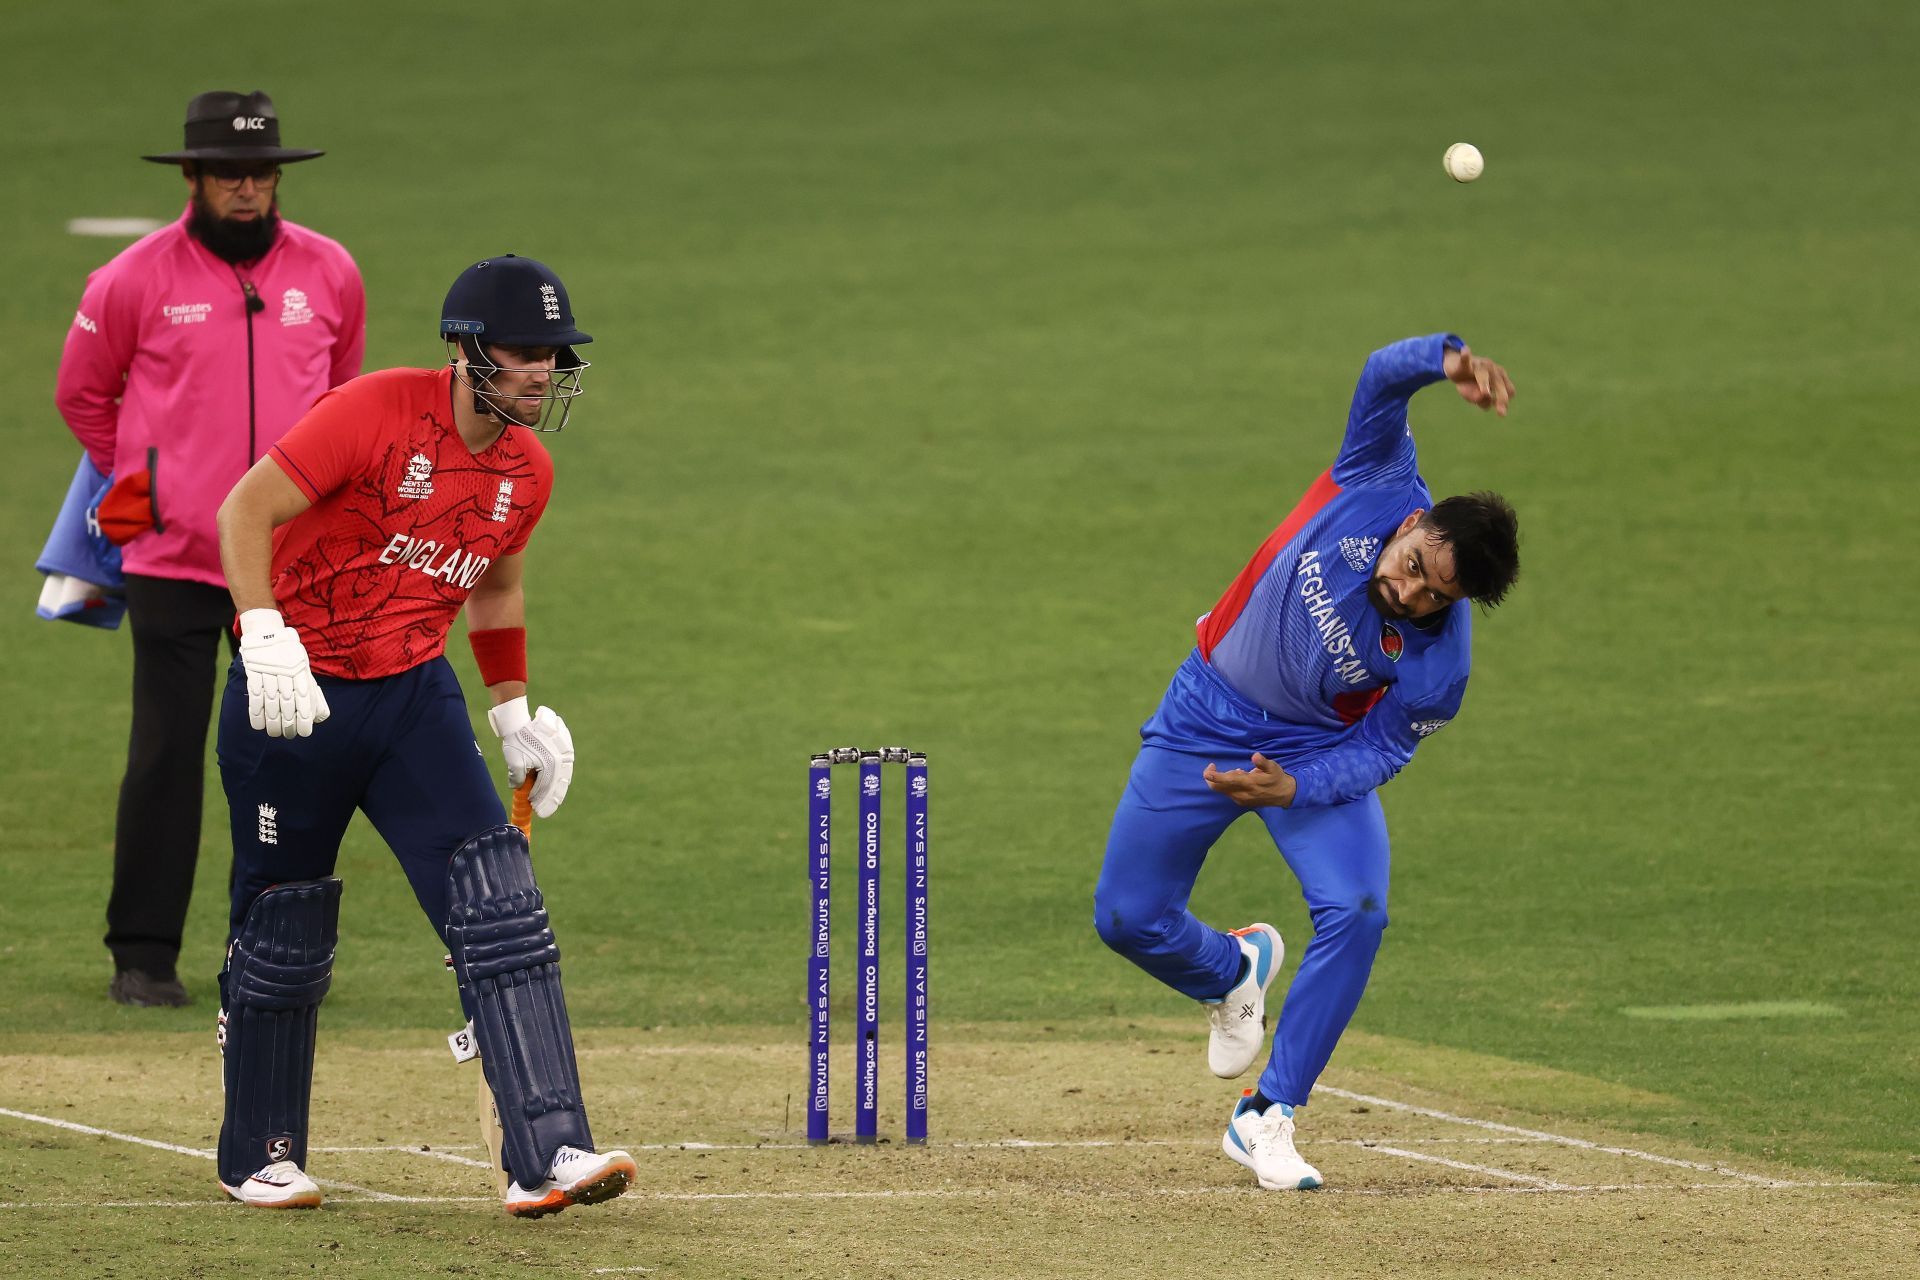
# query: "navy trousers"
{"type": "Point", "coordinates": [400, 749]}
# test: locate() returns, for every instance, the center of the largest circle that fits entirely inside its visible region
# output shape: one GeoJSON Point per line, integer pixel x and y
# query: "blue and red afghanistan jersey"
{"type": "Point", "coordinates": [1317, 678]}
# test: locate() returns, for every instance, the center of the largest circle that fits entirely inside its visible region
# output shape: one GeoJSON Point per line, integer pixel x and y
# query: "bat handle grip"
{"type": "Point", "coordinates": [522, 811]}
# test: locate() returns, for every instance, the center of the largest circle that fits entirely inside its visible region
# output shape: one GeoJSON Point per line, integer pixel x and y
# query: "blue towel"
{"type": "Point", "coordinates": [84, 583]}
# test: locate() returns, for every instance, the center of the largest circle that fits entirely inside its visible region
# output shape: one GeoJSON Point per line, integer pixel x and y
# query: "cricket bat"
{"type": "Point", "coordinates": [520, 813]}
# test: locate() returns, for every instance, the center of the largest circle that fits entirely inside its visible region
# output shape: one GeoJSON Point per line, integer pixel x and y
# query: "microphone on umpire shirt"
{"type": "Point", "coordinates": [510, 301]}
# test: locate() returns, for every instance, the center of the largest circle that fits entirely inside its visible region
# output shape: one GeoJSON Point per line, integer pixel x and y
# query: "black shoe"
{"type": "Point", "coordinates": [146, 991]}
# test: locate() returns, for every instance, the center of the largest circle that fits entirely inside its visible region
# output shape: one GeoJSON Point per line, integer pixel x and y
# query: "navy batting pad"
{"type": "Point", "coordinates": [278, 969]}
{"type": "Point", "coordinates": [509, 970]}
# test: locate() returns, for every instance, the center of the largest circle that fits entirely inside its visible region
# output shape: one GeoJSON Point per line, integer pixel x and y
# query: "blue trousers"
{"type": "Point", "coordinates": [1167, 821]}
{"type": "Point", "coordinates": [399, 748]}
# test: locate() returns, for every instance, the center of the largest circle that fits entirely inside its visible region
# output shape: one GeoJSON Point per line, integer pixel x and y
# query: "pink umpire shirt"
{"type": "Point", "coordinates": [166, 364]}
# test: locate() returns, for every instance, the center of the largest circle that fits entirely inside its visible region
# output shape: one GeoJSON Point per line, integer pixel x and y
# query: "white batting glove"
{"type": "Point", "coordinates": [537, 744]}
{"type": "Point", "coordinates": [282, 697]}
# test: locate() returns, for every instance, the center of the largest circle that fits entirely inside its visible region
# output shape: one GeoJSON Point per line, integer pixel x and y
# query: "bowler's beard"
{"type": "Point", "coordinates": [1382, 602]}
{"type": "Point", "coordinates": [231, 239]}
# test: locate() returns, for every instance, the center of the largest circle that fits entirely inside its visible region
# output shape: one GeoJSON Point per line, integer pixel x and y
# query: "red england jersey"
{"type": "Point", "coordinates": [405, 519]}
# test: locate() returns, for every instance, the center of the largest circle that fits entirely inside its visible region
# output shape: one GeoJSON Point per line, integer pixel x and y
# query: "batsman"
{"type": "Point", "coordinates": [400, 499]}
{"type": "Point", "coordinates": [1342, 645]}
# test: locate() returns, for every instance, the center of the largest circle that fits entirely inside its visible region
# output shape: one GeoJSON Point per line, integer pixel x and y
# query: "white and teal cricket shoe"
{"type": "Point", "coordinates": [1264, 1143]}
{"type": "Point", "coordinates": [1239, 1018]}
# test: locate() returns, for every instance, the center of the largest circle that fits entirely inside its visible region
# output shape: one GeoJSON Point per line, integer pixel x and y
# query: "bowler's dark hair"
{"type": "Point", "coordinates": [1484, 533]}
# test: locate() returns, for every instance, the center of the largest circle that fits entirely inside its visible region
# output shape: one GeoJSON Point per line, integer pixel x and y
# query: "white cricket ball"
{"type": "Point", "coordinates": [1463, 162]}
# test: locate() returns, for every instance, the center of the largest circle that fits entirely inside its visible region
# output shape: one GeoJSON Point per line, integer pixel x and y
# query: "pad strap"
{"type": "Point", "coordinates": [279, 967]}
{"type": "Point", "coordinates": [508, 966]}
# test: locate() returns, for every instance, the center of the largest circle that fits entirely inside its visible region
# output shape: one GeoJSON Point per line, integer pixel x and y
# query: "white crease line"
{"type": "Point", "coordinates": [196, 1152]}
{"type": "Point", "coordinates": [1545, 1184]}
{"type": "Point", "coordinates": [984, 1192]}
{"type": "Point", "coordinates": [1434, 1142]}
{"type": "Point", "coordinates": [1535, 1134]}
{"type": "Point", "coordinates": [417, 1148]}
{"type": "Point", "coordinates": [1043, 1144]}
{"type": "Point", "coordinates": [356, 1189]}
{"type": "Point", "coordinates": [429, 1153]}
{"type": "Point", "coordinates": [121, 1204]}
{"type": "Point", "coordinates": [1560, 1139]}
{"type": "Point", "coordinates": [108, 1133]}
{"type": "Point", "coordinates": [444, 1150]}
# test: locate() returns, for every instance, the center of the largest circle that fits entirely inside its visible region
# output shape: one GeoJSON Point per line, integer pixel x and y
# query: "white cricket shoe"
{"type": "Point", "coordinates": [1239, 1018]}
{"type": "Point", "coordinates": [280, 1185]}
{"type": "Point", "coordinates": [1264, 1143]}
{"type": "Point", "coordinates": [577, 1177]}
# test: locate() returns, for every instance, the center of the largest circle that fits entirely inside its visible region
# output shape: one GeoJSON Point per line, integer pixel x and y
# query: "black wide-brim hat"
{"type": "Point", "coordinates": [224, 125]}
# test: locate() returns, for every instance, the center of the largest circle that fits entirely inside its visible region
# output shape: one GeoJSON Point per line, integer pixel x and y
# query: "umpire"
{"type": "Point", "coordinates": [191, 353]}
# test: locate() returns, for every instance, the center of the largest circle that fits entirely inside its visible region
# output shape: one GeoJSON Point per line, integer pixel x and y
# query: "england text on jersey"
{"type": "Point", "coordinates": [405, 521]}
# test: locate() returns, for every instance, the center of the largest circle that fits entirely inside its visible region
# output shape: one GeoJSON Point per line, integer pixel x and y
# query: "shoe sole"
{"type": "Point", "coordinates": [1279, 960]}
{"type": "Point", "coordinates": [606, 1185]}
{"type": "Point", "coordinates": [305, 1200]}
{"type": "Point", "coordinates": [553, 1202]}
{"type": "Point", "coordinates": [610, 1183]}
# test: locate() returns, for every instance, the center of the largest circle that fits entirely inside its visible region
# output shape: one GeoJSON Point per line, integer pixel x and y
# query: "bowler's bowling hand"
{"type": "Point", "coordinates": [282, 697]}
{"type": "Point", "coordinates": [1479, 380]}
{"type": "Point", "coordinates": [537, 744]}
{"type": "Point", "coordinates": [1263, 786]}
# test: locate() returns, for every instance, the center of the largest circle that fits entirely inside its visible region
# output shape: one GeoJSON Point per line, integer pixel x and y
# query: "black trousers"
{"type": "Point", "coordinates": [177, 627]}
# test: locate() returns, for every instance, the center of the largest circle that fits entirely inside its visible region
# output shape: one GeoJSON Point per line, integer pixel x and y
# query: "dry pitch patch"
{"type": "Point", "coordinates": [1087, 1151]}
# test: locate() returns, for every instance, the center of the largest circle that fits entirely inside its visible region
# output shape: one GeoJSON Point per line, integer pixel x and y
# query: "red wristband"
{"type": "Point", "coordinates": [500, 653]}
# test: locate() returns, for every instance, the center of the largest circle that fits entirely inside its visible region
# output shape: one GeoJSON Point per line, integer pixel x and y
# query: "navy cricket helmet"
{"type": "Point", "coordinates": [510, 301]}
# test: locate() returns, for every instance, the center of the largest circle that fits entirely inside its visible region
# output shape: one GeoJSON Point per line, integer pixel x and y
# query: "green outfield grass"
{"type": "Point", "coordinates": [950, 360]}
